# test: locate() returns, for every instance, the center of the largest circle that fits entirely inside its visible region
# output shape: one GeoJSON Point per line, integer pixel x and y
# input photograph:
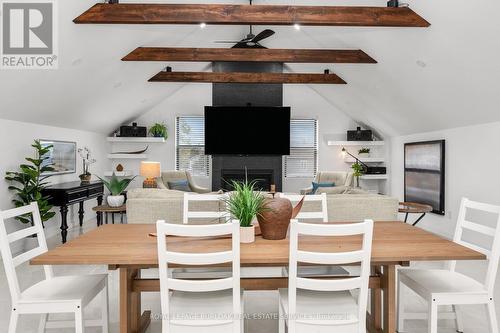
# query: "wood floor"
{"type": "Point", "coordinates": [260, 305]}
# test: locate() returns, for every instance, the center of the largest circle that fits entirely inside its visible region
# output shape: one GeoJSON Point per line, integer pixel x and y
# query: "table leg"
{"type": "Point", "coordinates": [376, 302]}
{"type": "Point", "coordinates": [113, 218]}
{"type": "Point", "coordinates": [81, 211]}
{"type": "Point", "coordinates": [64, 223]}
{"type": "Point", "coordinates": [99, 219]}
{"type": "Point", "coordinates": [106, 217]}
{"type": "Point", "coordinates": [131, 320]}
{"type": "Point", "coordinates": [121, 218]}
{"type": "Point", "coordinates": [388, 281]}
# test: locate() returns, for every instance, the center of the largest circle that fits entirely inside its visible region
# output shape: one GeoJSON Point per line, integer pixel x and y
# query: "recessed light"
{"type": "Point", "coordinates": [117, 85]}
{"type": "Point", "coordinates": [144, 100]}
{"type": "Point", "coordinates": [203, 25]}
{"type": "Point", "coordinates": [77, 62]}
{"type": "Point", "coordinates": [421, 63]}
{"type": "Point", "coordinates": [296, 26]}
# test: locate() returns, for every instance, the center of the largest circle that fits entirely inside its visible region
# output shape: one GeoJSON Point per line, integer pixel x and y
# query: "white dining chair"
{"type": "Point", "coordinates": [449, 287]}
{"type": "Point", "coordinates": [211, 305]}
{"type": "Point", "coordinates": [54, 294]}
{"type": "Point", "coordinates": [326, 305]}
{"type": "Point", "coordinates": [320, 214]}
{"type": "Point", "coordinates": [214, 215]}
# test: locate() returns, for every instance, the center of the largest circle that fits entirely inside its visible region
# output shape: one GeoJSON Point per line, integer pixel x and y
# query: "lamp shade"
{"type": "Point", "coordinates": [150, 169]}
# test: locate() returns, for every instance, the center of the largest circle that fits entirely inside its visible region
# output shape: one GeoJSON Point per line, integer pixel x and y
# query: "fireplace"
{"type": "Point", "coordinates": [263, 178]}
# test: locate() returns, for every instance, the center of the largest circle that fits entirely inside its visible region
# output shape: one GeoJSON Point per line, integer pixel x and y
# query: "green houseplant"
{"type": "Point", "coordinates": [245, 204]}
{"type": "Point", "coordinates": [364, 152]}
{"type": "Point", "coordinates": [116, 187]}
{"type": "Point", "coordinates": [358, 171]}
{"type": "Point", "coordinates": [159, 130]}
{"type": "Point", "coordinates": [29, 182]}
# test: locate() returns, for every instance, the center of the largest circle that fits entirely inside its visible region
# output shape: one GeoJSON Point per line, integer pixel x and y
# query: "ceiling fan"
{"type": "Point", "coordinates": [251, 40]}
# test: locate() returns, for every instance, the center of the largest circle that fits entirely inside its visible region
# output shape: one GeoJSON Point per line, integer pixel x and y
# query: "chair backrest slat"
{"type": "Point", "coordinates": [198, 258]}
{"type": "Point", "coordinates": [493, 253]}
{"type": "Point", "coordinates": [214, 214]}
{"type": "Point", "coordinates": [9, 260]}
{"type": "Point", "coordinates": [364, 229]}
{"type": "Point", "coordinates": [20, 234]}
{"type": "Point", "coordinates": [166, 256]}
{"type": "Point", "coordinates": [196, 286]}
{"type": "Point", "coordinates": [330, 285]}
{"type": "Point", "coordinates": [330, 258]}
{"type": "Point", "coordinates": [321, 214]}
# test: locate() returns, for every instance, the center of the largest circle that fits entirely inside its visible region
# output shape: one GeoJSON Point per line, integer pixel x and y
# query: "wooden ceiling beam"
{"type": "Point", "coordinates": [248, 55]}
{"type": "Point", "coordinates": [131, 13]}
{"type": "Point", "coordinates": [240, 77]}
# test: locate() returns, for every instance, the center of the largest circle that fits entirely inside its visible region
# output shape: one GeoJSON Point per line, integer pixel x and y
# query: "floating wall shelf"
{"type": "Point", "coordinates": [127, 156]}
{"type": "Point", "coordinates": [356, 143]}
{"type": "Point", "coordinates": [126, 173]}
{"type": "Point", "coordinates": [365, 160]}
{"type": "Point", "coordinates": [373, 177]}
{"type": "Point", "coordinates": [136, 140]}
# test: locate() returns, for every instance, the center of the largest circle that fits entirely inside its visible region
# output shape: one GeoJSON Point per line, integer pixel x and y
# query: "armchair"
{"type": "Point", "coordinates": [170, 176]}
{"type": "Point", "coordinates": [340, 178]}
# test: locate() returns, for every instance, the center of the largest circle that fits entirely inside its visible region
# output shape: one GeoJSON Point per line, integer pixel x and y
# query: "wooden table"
{"type": "Point", "coordinates": [106, 210]}
{"type": "Point", "coordinates": [129, 248]}
{"type": "Point", "coordinates": [414, 208]}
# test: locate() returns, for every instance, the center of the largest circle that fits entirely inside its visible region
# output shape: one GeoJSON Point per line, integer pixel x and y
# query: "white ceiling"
{"type": "Point", "coordinates": [426, 79]}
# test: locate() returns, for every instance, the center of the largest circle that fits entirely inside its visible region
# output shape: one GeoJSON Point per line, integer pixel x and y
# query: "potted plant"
{"type": "Point", "coordinates": [245, 204]}
{"type": "Point", "coordinates": [28, 184]}
{"type": "Point", "coordinates": [159, 130]}
{"type": "Point", "coordinates": [364, 152]}
{"type": "Point", "coordinates": [85, 154]}
{"type": "Point", "coordinates": [116, 187]}
{"type": "Point", "coordinates": [358, 171]}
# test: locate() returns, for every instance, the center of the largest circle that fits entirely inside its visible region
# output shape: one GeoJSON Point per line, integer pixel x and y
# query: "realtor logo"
{"type": "Point", "coordinates": [28, 34]}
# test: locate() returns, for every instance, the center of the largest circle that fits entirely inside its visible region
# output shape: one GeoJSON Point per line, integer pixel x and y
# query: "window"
{"type": "Point", "coordinates": [303, 158]}
{"type": "Point", "coordinates": [190, 145]}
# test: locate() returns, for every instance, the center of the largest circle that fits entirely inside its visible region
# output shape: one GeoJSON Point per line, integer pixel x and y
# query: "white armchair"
{"type": "Point", "coordinates": [340, 178]}
{"type": "Point", "coordinates": [170, 176]}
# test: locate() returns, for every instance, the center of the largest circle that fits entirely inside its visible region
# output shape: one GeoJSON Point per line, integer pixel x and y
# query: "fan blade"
{"type": "Point", "coordinates": [263, 35]}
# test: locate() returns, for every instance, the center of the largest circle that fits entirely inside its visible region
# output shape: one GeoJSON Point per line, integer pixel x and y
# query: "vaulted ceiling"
{"type": "Point", "coordinates": [426, 78]}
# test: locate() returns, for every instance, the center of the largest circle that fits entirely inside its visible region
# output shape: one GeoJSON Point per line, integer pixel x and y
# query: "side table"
{"type": "Point", "coordinates": [105, 209]}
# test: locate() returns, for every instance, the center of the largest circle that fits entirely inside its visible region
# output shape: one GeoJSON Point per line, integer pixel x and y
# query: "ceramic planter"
{"type": "Point", "coordinates": [85, 178]}
{"type": "Point", "coordinates": [247, 234]}
{"type": "Point", "coordinates": [364, 155]}
{"type": "Point", "coordinates": [115, 200]}
{"type": "Point", "coordinates": [275, 219]}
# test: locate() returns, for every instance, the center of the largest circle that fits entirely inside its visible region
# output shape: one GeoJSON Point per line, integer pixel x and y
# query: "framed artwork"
{"type": "Point", "coordinates": [62, 156]}
{"type": "Point", "coordinates": [425, 174]}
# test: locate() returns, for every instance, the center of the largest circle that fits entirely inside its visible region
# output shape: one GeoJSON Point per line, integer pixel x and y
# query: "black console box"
{"type": "Point", "coordinates": [133, 131]}
{"type": "Point", "coordinates": [359, 135]}
{"type": "Point", "coordinates": [373, 170]}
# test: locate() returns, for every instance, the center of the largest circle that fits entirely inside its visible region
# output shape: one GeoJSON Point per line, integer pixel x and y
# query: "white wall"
{"type": "Point", "coordinates": [190, 100]}
{"type": "Point", "coordinates": [472, 163]}
{"type": "Point", "coordinates": [15, 144]}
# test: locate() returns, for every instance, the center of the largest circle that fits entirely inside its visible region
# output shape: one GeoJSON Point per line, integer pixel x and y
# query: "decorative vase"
{"type": "Point", "coordinates": [275, 219]}
{"type": "Point", "coordinates": [247, 234]}
{"type": "Point", "coordinates": [85, 178]}
{"type": "Point", "coordinates": [115, 200]}
{"type": "Point", "coordinates": [364, 155]}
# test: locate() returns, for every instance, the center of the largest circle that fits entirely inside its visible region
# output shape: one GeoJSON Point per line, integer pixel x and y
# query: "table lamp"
{"type": "Point", "coordinates": [150, 171]}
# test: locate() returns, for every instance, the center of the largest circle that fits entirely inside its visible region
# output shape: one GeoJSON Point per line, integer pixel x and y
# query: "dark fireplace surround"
{"type": "Point", "coordinates": [265, 170]}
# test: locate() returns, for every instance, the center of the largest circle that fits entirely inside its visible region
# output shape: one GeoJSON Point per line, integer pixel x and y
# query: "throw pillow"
{"type": "Point", "coordinates": [179, 185]}
{"type": "Point", "coordinates": [315, 186]}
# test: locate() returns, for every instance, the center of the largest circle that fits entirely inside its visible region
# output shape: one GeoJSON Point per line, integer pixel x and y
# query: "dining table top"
{"type": "Point", "coordinates": [394, 242]}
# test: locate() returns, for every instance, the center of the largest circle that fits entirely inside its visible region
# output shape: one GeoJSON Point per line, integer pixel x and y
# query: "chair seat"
{"type": "Point", "coordinates": [427, 282]}
{"type": "Point", "coordinates": [64, 288]}
{"type": "Point", "coordinates": [202, 308]}
{"type": "Point", "coordinates": [322, 308]}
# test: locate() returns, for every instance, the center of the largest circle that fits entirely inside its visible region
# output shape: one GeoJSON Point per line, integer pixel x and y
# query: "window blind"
{"type": "Point", "coordinates": [190, 145]}
{"type": "Point", "coordinates": [303, 158]}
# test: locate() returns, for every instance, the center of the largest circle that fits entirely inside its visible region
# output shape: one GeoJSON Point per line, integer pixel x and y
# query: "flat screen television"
{"type": "Point", "coordinates": [247, 130]}
{"type": "Point", "coordinates": [424, 174]}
